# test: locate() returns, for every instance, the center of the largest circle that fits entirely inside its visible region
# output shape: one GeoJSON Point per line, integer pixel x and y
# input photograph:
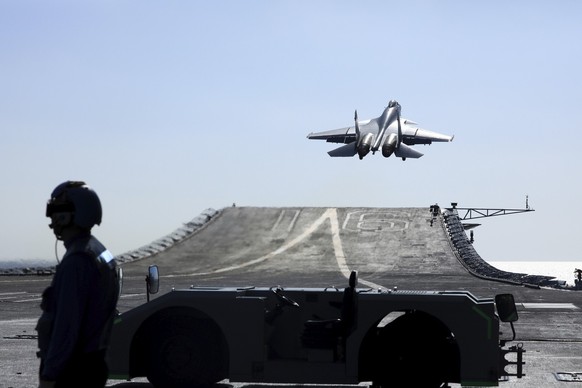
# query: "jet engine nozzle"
{"type": "Point", "coordinates": [389, 145]}
{"type": "Point", "coordinates": [365, 144]}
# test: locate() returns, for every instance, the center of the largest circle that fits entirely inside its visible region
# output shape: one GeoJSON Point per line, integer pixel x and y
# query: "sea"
{"type": "Point", "coordinates": [561, 270]}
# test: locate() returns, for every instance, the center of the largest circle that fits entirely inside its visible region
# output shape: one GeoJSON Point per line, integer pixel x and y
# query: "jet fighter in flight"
{"type": "Point", "coordinates": [389, 132]}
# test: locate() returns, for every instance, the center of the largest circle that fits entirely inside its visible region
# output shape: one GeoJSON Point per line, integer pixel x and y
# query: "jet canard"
{"type": "Point", "coordinates": [389, 133]}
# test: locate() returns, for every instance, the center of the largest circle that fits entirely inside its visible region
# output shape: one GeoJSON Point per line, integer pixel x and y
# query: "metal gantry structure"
{"type": "Point", "coordinates": [472, 213]}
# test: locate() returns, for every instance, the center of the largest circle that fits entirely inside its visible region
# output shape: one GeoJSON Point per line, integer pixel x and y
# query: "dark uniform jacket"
{"type": "Point", "coordinates": [78, 307]}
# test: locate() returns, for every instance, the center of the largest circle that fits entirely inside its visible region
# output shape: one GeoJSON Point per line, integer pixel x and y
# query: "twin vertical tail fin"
{"type": "Point", "coordinates": [349, 149]}
{"type": "Point", "coordinates": [399, 140]}
{"type": "Point", "coordinates": [357, 126]}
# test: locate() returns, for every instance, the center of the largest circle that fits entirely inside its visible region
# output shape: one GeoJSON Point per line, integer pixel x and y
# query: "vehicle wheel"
{"type": "Point", "coordinates": [417, 350]}
{"type": "Point", "coordinates": [185, 351]}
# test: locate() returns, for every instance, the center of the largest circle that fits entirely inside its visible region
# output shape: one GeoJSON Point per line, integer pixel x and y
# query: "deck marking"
{"type": "Point", "coordinates": [28, 300]}
{"type": "Point", "coordinates": [292, 224]}
{"type": "Point", "coordinates": [278, 220]}
{"type": "Point", "coordinates": [11, 293]}
{"type": "Point", "coordinates": [339, 251]}
{"type": "Point", "coordinates": [24, 321]}
{"type": "Point", "coordinates": [571, 306]}
{"type": "Point", "coordinates": [388, 221]}
{"type": "Point", "coordinates": [20, 297]}
{"type": "Point", "coordinates": [330, 214]}
{"type": "Point", "coordinates": [277, 251]}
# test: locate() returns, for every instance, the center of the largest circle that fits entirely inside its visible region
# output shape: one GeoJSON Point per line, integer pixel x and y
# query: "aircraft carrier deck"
{"type": "Point", "coordinates": [406, 248]}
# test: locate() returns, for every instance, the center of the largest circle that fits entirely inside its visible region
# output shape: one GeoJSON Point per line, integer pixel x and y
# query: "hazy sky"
{"type": "Point", "coordinates": [169, 108]}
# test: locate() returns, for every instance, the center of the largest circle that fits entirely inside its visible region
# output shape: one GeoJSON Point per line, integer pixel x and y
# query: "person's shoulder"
{"type": "Point", "coordinates": [75, 261]}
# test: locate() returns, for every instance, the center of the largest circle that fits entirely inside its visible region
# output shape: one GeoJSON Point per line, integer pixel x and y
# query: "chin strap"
{"type": "Point", "coordinates": [56, 253]}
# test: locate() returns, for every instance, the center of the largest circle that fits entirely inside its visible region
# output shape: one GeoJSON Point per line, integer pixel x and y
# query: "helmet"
{"type": "Point", "coordinates": [79, 203]}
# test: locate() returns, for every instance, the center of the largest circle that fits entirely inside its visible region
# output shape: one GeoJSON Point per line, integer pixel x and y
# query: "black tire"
{"type": "Point", "coordinates": [416, 350]}
{"type": "Point", "coordinates": [185, 351]}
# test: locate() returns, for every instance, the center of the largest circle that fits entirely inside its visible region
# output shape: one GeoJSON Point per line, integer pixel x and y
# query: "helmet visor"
{"type": "Point", "coordinates": [54, 206]}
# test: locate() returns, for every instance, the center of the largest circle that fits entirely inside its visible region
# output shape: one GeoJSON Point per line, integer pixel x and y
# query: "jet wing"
{"type": "Point", "coordinates": [412, 134]}
{"type": "Point", "coordinates": [344, 135]}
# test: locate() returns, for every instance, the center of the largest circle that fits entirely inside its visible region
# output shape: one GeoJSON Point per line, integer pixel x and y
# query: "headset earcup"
{"type": "Point", "coordinates": [63, 219]}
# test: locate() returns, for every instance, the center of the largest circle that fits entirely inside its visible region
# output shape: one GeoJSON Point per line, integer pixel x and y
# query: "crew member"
{"type": "Point", "coordinates": [79, 306]}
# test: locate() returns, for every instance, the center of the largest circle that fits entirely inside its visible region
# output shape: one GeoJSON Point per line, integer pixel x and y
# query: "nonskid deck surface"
{"type": "Point", "coordinates": [402, 248]}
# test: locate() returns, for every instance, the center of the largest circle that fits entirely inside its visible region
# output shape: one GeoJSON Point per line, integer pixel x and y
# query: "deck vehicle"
{"type": "Point", "coordinates": [202, 335]}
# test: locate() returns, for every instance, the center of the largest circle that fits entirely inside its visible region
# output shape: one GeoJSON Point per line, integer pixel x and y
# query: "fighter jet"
{"type": "Point", "coordinates": [389, 132]}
